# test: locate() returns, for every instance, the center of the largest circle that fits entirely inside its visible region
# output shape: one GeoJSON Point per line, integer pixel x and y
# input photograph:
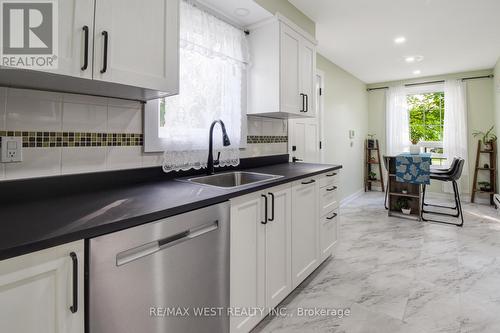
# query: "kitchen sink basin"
{"type": "Point", "coordinates": [232, 179]}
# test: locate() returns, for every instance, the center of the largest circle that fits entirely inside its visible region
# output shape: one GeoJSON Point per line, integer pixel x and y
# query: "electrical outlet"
{"type": "Point", "coordinates": [12, 149]}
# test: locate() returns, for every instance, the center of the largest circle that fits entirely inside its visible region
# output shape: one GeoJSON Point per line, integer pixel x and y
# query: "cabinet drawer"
{"type": "Point", "coordinates": [328, 178]}
{"type": "Point", "coordinates": [328, 199]}
{"type": "Point", "coordinates": [329, 233]}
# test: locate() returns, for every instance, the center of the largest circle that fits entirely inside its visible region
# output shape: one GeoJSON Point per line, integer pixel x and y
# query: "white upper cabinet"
{"type": "Point", "coordinates": [281, 74]}
{"type": "Point", "coordinates": [42, 292]}
{"type": "Point", "coordinates": [75, 33]}
{"type": "Point", "coordinates": [134, 43]}
{"type": "Point", "coordinates": [307, 60]}
{"type": "Point", "coordinates": [291, 98]}
{"type": "Point", "coordinates": [118, 48]}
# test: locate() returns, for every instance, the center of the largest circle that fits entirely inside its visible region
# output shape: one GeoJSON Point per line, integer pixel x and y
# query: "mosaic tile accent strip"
{"type": "Point", "coordinates": [267, 138]}
{"type": "Point", "coordinates": [37, 139]}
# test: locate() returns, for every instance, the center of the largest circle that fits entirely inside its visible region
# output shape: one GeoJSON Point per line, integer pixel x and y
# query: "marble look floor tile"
{"type": "Point", "coordinates": [398, 275]}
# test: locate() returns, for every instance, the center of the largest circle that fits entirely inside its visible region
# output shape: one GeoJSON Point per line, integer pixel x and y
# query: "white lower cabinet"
{"type": "Point", "coordinates": [260, 254]}
{"type": "Point", "coordinates": [272, 251]}
{"type": "Point", "coordinates": [37, 291]}
{"type": "Point", "coordinates": [329, 233]}
{"type": "Point", "coordinates": [305, 229]}
{"type": "Point", "coordinates": [278, 246]}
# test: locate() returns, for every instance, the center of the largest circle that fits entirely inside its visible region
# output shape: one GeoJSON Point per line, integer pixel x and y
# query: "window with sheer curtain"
{"type": "Point", "coordinates": [213, 56]}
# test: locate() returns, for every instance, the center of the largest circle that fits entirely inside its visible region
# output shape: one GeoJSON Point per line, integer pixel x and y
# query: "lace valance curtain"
{"type": "Point", "coordinates": [213, 56]}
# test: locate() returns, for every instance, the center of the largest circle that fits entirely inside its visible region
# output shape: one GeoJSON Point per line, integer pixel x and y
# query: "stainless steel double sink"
{"type": "Point", "coordinates": [230, 180]}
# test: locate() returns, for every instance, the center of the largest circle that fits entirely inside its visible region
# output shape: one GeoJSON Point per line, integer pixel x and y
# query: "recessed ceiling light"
{"type": "Point", "coordinates": [417, 72]}
{"type": "Point", "coordinates": [414, 58]}
{"type": "Point", "coordinates": [241, 11]}
{"type": "Point", "coordinates": [399, 40]}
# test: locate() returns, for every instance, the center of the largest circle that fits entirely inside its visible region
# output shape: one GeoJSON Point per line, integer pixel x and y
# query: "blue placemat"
{"type": "Point", "coordinates": [413, 169]}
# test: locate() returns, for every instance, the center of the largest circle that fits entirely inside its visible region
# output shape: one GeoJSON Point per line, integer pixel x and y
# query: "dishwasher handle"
{"type": "Point", "coordinates": [147, 249]}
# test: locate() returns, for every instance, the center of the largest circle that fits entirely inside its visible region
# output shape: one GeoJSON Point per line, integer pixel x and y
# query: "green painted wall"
{"type": "Point", "coordinates": [291, 12]}
{"type": "Point", "coordinates": [345, 108]}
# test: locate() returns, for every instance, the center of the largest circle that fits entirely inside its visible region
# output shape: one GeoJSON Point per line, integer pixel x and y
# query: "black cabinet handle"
{"type": "Point", "coordinates": [74, 259]}
{"type": "Point", "coordinates": [331, 188]}
{"type": "Point", "coordinates": [332, 174]}
{"type": "Point", "coordinates": [309, 182]}
{"type": "Point", "coordinates": [265, 208]}
{"type": "Point", "coordinates": [86, 48]}
{"type": "Point", "coordinates": [295, 159]}
{"type": "Point", "coordinates": [105, 53]}
{"type": "Point", "coordinates": [303, 106]}
{"type": "Point", "coordinates": [332, 217]}
{"type": "Point", "coordinates": [307, 103]}
{"type": "Point", "coordinates": [272, 209]}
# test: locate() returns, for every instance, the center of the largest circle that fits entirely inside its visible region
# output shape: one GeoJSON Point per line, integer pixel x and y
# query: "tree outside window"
{"type": "Point", "coordinates": [427, 121]}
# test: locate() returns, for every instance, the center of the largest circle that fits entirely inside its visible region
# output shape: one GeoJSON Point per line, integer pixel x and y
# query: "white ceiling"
{"type": "Point", "coordinates": [229, 9]}
{"type": "Point", "coordinates": [452, 35]}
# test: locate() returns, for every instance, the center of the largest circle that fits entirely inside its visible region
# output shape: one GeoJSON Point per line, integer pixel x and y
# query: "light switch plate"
{"type": "Point", "coordinates": [12, 149]}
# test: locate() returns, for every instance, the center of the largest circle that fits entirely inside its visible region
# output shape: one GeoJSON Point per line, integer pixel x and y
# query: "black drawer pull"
{"type": "Point", "coordinates": [86, 48]}
{"type": "Point", "coordinates": [332, 217]}
{"type": "Point", "coordinates": [307, 103]}
{"type": "Point", "coordinates": [74, 308]}
{"type": "Point", "coordinates": [303, 101]}
{"type": "Point", "coordinates": [331, 174]}
{"type": "Point", "coordinates": [105, 53]}
{"type": "Point", "coordinates": [265, 208]}
{"type": "Point", "coordinates": [272, 209]}
{"type": "Point", "coordinates": [333, 188]}
{"type": "Point", "coordinates": [309, 182]}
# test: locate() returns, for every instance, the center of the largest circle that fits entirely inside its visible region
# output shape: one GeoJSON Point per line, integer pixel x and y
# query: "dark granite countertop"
{"type": "Point", "coordinates": [40, 223]}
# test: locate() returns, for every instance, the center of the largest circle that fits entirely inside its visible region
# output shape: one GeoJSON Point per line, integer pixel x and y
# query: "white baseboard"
{"type": "Point", "coordinates": [351, 197]}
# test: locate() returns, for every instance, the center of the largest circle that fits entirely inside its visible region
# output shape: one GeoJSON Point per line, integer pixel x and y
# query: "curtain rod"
{"type": "Point", "coordinates": [438, 81]}
{"type": "Point", "coordinates": [217, 13]}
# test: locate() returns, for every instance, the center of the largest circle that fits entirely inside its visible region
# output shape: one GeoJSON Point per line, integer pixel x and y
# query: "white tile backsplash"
{"type": "Point", "coordinates": [84, 118]}
{"type": "Point", "coordinates": [124, 158]}
{"type": "Point", "coordinates": [254, 125]}
{"type": "Point", "coordinates": [84, 99]}
{"type": "Point", "coordinates": [267, 126]}
{"type": "Point", "coordinates": [29, 110]}
{"type": "Point", "coordinates": [37, 162]}
{"type": "Point", "coordinates": [152, 159]}
{"type": "Point", "coordinates": [83, 159]}
{"type": "Point", "coordinates": [33, 110]}
{"type": "Point", "coordinates": [124, 120]}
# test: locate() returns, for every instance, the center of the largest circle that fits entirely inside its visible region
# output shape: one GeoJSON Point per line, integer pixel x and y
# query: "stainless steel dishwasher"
{"type": "Point", "coordinates": [159, 277]}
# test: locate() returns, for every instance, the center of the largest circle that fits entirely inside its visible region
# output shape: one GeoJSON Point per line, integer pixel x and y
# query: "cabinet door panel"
{"type": "Point", "coordinates": [247, 259]}
{"type": "Point", "coordinates": [36, 292]}
{"type": "Point", "coordinates": [142, 43]}
{"type": "Point", "coordinates": [307, 72]}
{"type": "Point", "coordinates": [73, 15]}
{"type": "Point", "coordinates": [305, 244]}
{"type": "Point", "coordinates": [329, 233]}
{"type": "Point", "coordinates": [291, 101]}
{"type": "Point", "coordinates": [278, 246]}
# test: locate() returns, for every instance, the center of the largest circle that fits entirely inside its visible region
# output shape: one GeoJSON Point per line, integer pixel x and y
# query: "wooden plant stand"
{"type": "Point", "coordinates": [372, 160]}
{"type": "Point", "coordinates": [491, 170]}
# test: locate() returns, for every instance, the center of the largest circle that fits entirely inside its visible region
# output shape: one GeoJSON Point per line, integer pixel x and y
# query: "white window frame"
{"type": "Point", "coordinates": [153, 143]}
{"type": "Point", "coordinates": [427, 89]}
